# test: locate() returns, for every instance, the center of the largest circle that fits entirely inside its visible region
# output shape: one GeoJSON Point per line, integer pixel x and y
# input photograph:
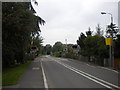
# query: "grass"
{"type": "Point", "coordinates": [0, 79]}
{"type": "Point", "coordinates": [11, 76]}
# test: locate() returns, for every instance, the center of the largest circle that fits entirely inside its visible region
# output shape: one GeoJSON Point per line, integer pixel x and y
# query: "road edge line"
{"type": "Point", "coordinates": [91, 78]}
{"type": "Point", "coordinates": [44, 77]}
{"type": "Point", "coordinates": [106, 68]}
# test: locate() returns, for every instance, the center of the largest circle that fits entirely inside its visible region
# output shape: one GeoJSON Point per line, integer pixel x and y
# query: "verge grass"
{"type": "Point", "coordinates": [11, 76]}
{"type": "Point", "coordinates": [0, 79]}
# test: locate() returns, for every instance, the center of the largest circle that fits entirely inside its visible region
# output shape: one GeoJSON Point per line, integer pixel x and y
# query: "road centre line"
{"type": "Point", "coordinates": [44, 77]}
{"type": "Point", "coordinates": [87, 76]}
{"type": "Point", "coordinates": [91, 77]}
{"type": "Point", "coordinates": [94, 76]}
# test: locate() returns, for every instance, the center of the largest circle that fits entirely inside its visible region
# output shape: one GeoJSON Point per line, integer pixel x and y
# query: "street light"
{"type": "Point", "coordinates": [111, 47]}
{"type": "Point", "coordinates": [109, 14]}
{"type": "Point", "coordinates": [103, 12]}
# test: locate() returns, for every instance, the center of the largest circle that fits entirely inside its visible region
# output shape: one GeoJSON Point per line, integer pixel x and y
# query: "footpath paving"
{"type": "Point", "coordinates": [32, 78]}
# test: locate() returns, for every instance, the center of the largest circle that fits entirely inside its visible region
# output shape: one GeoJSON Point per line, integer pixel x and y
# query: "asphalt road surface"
{"type": "Point", "coordinates": [67, 73]}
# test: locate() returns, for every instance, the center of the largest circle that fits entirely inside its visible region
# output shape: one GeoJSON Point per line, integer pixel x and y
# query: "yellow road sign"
{"type": "Point", "coordinates": [108, 41]}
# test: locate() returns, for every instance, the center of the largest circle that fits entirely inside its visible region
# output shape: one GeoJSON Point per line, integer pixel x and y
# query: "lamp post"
{"type": "Point", "coordinates": [110, 15]}
{"type": "Point", "coordinates": [111, 52]}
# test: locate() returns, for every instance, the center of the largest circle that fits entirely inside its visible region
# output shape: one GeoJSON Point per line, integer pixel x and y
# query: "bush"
{"type": "Point", "coordinates": [57, 54]}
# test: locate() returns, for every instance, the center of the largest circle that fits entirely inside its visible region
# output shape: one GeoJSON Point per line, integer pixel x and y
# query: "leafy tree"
{"type": "Point", "coordinates": [99, 32]}
{"type": "Point", "coordinates": [42, 50]}
{"type": "Point", "coordinates": [57, 47]}
{"type": "Point", "coordinates": [93, 47]}
{"type": "Point", "coordinates": [89, 32]}
{"type": "Point", "coordinates": [35, 2]}
{"type": "Point", "coordinates": [19, 23]}
{"type": "Point", "coordinates": [48, 49]}
{"type": "Point", "coordinates": [112, 30]}
{"type": "Point", "coordinates": [37, 41]}
{"type": "Point", "coordinates": [117, 45]}
{"type": "Point", "coordinates": [81, 43]}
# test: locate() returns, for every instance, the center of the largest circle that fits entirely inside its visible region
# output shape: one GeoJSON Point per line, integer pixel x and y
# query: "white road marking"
{"type": "Point", "coordinates": [96, 66]}
{"type": "Point", "coordinates": [35, 68]}
{"type": "Point", "coordinates": [44, 77]}
{"type": "Point", "coordinates": [102, 68]}
{"type": "Point", "coordinates": [90, 65]}
{"type": "Point", "coordinates": [91, 77]}
{"type": "Point", "coordinates": [62, 59]}
{"type": "Point", "coordinates": [108, 69]}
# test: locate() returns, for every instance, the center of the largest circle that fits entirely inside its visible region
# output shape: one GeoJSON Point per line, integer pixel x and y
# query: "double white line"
{"type": "Point", "coordinates": [91, 77]}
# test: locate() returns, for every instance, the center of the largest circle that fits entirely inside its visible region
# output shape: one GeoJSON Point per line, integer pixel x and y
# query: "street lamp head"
{"type": "Point", "coordinates": [103, 12]}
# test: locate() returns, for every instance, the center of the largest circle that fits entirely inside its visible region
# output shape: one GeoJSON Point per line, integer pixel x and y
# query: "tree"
{"type": "Point", "coordinates": [81, 43]}
{"type": "Point", "coordinates": [112, 30]}
{"type": "Point", "coordinates": [89, 32]}
{"type": "Point", "coordinates": [99, 32]}
{"type": "Point", "coordinates": [48, 49]}
{"type": "Point", "coordinates": [117, 45]}
{"type": "Point", "coordinates": [93, 47]}
{"type": "Point", "coordinates": [37, 41]}
{"type": "Point", "coordinates": [35, 2]}
{"type": "Point", "coordinates": [19, 23]}
{"type": "Point", "coordinates": [57, 47]}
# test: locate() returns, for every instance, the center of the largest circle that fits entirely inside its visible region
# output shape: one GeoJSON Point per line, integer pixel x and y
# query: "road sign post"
{"type": "Point", "coordinates": [109, 42]}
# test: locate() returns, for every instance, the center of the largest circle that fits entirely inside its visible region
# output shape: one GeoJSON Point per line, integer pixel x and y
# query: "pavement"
{"type": "Point", "coordinates": [32, 78]}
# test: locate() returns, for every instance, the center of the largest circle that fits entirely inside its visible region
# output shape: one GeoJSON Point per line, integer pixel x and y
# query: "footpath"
{"type": "Point", "coordinates": [32, 78]}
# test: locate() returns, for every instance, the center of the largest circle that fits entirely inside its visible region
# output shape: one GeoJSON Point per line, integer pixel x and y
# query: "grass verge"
{"type": "Point", "coordinates": [0, 79]}
{"type": "Point", "coordinates": [10, 76]}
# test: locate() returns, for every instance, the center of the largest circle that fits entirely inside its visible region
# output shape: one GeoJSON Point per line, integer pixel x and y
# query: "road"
{"type": "Point", "coordinates": [67, 73]}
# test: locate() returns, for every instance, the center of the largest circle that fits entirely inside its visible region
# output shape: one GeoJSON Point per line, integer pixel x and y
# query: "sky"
{"type": "Point", "coordinates": [66, 19]}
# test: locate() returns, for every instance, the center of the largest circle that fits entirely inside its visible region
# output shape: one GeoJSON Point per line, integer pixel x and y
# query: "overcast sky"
{"type": "Point", "coordinates": [66, 19]}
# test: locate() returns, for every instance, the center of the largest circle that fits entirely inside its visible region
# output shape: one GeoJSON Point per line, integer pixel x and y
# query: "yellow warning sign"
{"type": "Point", "coordinates": [108, 41]}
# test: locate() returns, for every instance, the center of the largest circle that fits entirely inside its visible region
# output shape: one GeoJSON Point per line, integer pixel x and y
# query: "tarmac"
{"type": "Point", "coordinates": [32, 78]}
